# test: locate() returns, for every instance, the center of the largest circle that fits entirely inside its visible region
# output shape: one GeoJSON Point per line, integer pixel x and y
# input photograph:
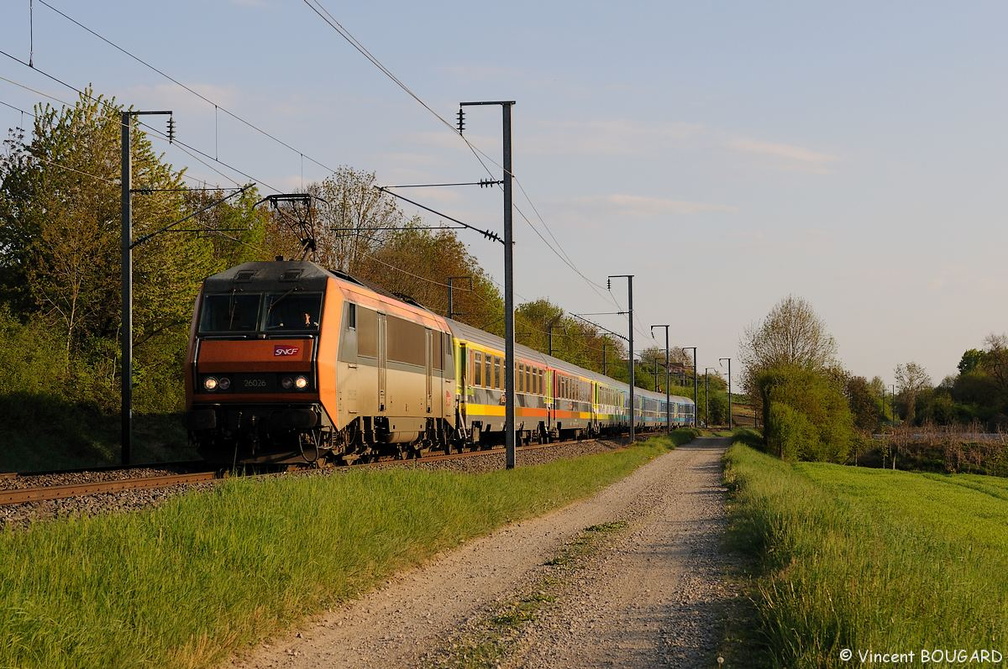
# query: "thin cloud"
{"type": "Point", "coordinates": [640, 206]}
{"type": "Point", "coordinates": [180, 100]}
{"type": "Point", "coordinates": [615, 137]}
{"type": "Point", "coordinates": [788, 156]}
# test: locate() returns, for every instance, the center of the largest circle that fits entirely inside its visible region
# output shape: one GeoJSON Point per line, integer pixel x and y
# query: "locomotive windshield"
{"type": "Point", "coordinates": [293, 311]}
{"type": "Point", "coordinates": [242, 313]}
{"type": "Point", "coordinates": [230, 313]}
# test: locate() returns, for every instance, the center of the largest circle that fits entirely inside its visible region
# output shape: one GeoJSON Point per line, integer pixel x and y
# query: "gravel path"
{"type": "Point", "coordinates": [632, 577]}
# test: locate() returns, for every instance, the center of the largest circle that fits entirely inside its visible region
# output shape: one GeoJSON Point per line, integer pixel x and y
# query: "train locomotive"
{"type": "Point", "coordinates": [289, 362]}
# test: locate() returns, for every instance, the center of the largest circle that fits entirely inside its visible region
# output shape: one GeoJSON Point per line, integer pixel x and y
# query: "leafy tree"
{"type": "Point", "coordinates": [818, 398]}
{"type": "Point", "coordinates": [971, 360]}
{"type": "Point", "coordinates": [995, 360]}
{"type": "Point", "coordinates": [539, 324]}
{"type": "Point", "coordinates": [237, 229]}
{"type": "Point", "coordinates": [792, 334]}
{"type": "Point", "coordinates": [60, 222]}
{"type": "Point", "coordinates": [416, 262]}
{"type": "Point", "coordinates": [789, 432]}
{"type": "Point", "coordinates": [911, 379]}
{"type": "Point", "coordinates": [865, 404]}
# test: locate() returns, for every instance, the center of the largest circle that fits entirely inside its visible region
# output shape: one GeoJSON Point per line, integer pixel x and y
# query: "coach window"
{"type": "Point", "coordinates": [497, 372]}
{"type": "Point", "coordinates": [520, 378]}
{"type": "Point", "coordinates": [487, 379]}
{"type": "Point", "coordinates": [477, 368]}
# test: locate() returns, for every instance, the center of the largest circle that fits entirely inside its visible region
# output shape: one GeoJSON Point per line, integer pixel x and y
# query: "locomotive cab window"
{"type": "Point", "coordinates": [293, 311]}
{"type": "Point", "coordinates": [230, 313]}
{"type": "Point", "coordinates": [351, 316]}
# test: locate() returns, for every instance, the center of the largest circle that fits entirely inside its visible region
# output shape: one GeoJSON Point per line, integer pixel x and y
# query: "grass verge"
{"type": "Point", "coordinates": [869, 561]}
{"type": "Point", "coordinates": [189, 583]}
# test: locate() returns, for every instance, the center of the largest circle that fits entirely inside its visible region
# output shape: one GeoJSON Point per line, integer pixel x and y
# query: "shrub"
{"type": "Point", "coordinates": [816, 424]}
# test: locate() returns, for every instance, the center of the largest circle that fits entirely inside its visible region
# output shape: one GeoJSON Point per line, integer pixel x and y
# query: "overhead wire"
{"type": "Point", "coordinates": [555, 247]}
{"type": "Point", "coordinates": [108, 105]}
{"type": "Point", "coordinates": [482, 157]}
{"type": "Point", "coordinates": [178, 83]}
{"type": "Point", "coordinates": [323, 13]}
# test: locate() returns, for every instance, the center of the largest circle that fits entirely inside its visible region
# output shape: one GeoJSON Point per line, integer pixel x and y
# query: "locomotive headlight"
{"type": "Point", "coordinates": [300, 383]}
{"type": "Point", "coordinates": [287, 383]}
{"type": "Point", "coordinates": [224, 383]}
{"type": "Point", "coordinates": [210, 383]}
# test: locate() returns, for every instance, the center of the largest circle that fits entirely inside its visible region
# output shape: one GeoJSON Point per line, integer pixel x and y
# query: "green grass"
{"type": "Point", "coordinates": [870, 560]}
{"type": "Point", "coordinates": [206, 574]}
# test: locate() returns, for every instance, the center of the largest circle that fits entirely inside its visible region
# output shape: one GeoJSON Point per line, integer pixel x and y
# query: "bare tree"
{"type": "Point", "coordinates": [995, 360]}
{"type": "Point", "coordinates": [791, 334]}
{"type": "Point", "coordinates": [354, 219]}
{"type": "Point", "coordinates": [911, 379]}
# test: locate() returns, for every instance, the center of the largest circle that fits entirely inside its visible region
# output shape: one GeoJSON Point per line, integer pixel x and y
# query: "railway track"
{"type": "Point", "coordinates": [51, 492]}
{"type": "Point", "coordinates": [26, 498]}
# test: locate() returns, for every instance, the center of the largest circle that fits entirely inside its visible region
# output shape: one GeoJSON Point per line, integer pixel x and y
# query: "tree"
{"type": "Point", "coordinates": [971, 360]}
{"type": "Point", "coordinates": [417, 262]}
{"type": "Point", "coordinates": [865, 404]}
{"type": "Point", "coordinates": [237, 229]}
{"type": "Point", "coordinates": [995, 360]}
{"type": "Point", "coordinates": [60, 226]}
{"type": "Point", "coordinates": [353, 219]}
{"type": "Point", "coordinates": [792, 334]}
{"type": "Point", "coordinates": [911, 379]}
{"type": "Point", "coordinates": [539, 325]}
{"type": "Point", "coordinates": [807, 416]}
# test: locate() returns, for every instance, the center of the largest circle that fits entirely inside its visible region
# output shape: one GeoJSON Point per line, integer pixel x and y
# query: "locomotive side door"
{"type": "Point", "coordinates": [429, 365]}
{"type": "Point", "coordinates": [382, 359]}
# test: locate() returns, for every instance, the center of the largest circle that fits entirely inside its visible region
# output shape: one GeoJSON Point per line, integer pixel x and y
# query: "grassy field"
{"type": "Point", "coordinates": [870, 561]}
{"type": "Point", "coordinates": [188, 583]}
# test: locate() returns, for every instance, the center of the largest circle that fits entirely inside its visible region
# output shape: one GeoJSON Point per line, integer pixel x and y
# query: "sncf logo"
{"type": "Point", "coordinates": [285, 350]}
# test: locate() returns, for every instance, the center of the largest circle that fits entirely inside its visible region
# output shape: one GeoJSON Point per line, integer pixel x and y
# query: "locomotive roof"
{"type": "Point", "coordinates": [274, 275]}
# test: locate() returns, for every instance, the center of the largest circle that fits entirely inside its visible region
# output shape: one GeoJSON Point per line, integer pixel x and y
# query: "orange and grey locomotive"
{"type": "Point", "coordinates": [290, 362]}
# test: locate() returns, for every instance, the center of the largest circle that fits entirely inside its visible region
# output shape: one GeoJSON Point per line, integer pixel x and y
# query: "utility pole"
{"type": "Point", "coordinates": [706, 374]}
{"type": "Point", "coordinates": [629, 278]}
{"type": "Point", "coordinates": [509, 342]}
{"type": "Point", "coordinates": [695, 409]}
{"type": "Point", "coordinates": [549, 333]}
{"type": "Point", "coordinates": [451, 298]}
{"type": "Point", "coordinates": [729, 390]}
{"type": "Point", "coordinates": [668, 398]}
{"type": "Point", "coordinates": [126, 391]}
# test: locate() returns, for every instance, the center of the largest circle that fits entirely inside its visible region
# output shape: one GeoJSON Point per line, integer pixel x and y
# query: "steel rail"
{"type": "Point", "coordinates": [45, 493]}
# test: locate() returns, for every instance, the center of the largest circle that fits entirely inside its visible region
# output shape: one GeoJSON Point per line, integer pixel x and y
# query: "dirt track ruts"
{"type": "Point", "coordinates": [646, 590]}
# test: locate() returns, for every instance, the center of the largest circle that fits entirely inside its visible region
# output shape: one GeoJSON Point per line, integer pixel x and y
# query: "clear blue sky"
{"type": "Point", "coordinates": [726, 154]}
